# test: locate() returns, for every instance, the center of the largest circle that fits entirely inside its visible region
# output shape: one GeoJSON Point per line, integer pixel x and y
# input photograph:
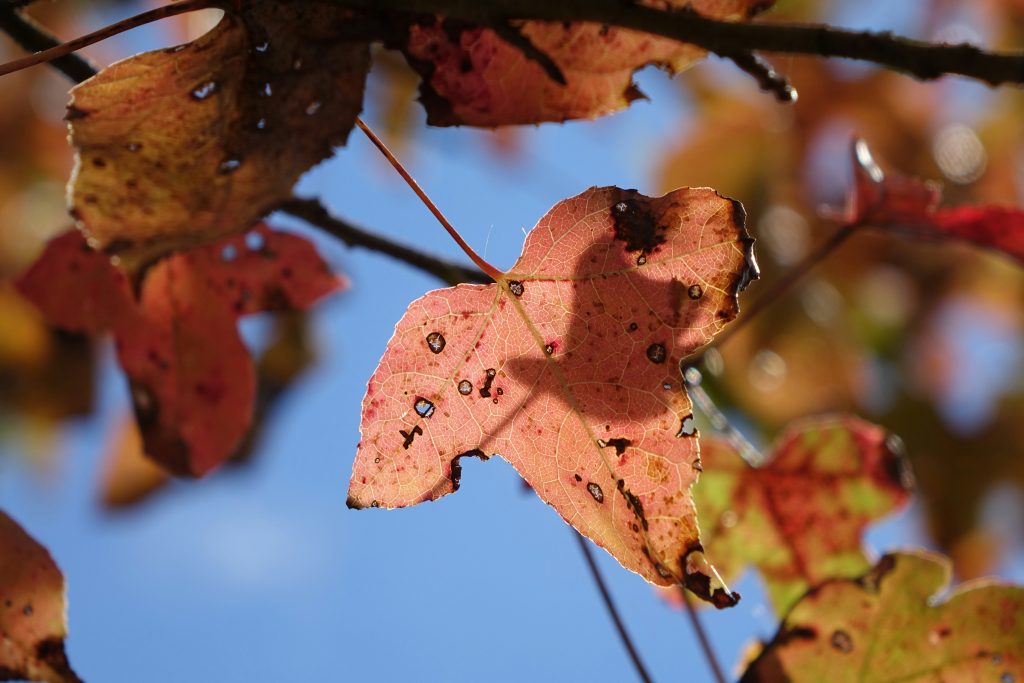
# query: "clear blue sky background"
{"type": "Point", "coordinates": [264, 575]}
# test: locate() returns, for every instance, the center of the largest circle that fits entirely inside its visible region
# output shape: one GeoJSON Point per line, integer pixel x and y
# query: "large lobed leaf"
{"type": "Point", "coordinates": [890, 626]}
{"type": "Point", "coordinates": [568, 368]}
{"type": "Point", "coordinates": [192, 381]}
{"type": "Point", "coordinates": [185, 145]}
{"type": "Point", "coordinates": [474, 76]}
{"type": "Point", "coordinates": [32, 620]}
{"type": "Point", "coordinates": [911, 207]}
{"type": "Point", "coordinates": [799, 517]}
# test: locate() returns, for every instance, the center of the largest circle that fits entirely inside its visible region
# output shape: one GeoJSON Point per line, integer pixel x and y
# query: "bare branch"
{"type": "Point", "coordinates": [726, 38]}
{"type": "Point", "coordinates": [314, 213]}
{"type": "Point", "coordinates": [34, 38]}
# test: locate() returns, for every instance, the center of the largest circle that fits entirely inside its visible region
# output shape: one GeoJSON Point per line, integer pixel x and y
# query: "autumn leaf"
{"type": "Point", "coordinates": [192, 381]}
{"type": "Point", "coordinates": [32, 620]}
{"type": "Point", "coordinates": [799, 517]}
{"type": "Point", "coordinates": [479, 77]}
{"type": "Point", "coordinates": [568, 368]}
{"type": "Point", "coordinates": [911, 207]}
{"type": "Point", "coordinates": [889, 625]}
{"type": "Point", "coordinates": [185, 145]}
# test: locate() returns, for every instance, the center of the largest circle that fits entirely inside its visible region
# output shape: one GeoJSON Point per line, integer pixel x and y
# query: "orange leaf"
{"type": "Point", "coordinates": [32, 621]}
{"type": "Point", "coordinates": [471, 76]}
{"type": "Point", "coordinates": [193, 384]}
{"type": "Point", "coordinates": [185, 145]}
{"type": "Point", "coordinates": [568, 368]}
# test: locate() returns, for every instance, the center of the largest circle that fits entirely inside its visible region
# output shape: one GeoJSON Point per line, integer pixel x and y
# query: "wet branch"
{"type": "Point", "coordinates": [313, 212]}
{"type": "Point", "coordinates": [917, 58]}
{"type": "Point", "coordinates": [613, 611]}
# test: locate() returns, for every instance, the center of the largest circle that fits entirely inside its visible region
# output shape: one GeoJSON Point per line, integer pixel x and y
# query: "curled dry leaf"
{"type": "Point", "coordinates": [911, 207]}
{"type": "Point", "coordinates": [185, 145]}
{"type": "Point", "coordinates": [474, 76]}
{"type": "Point", "coordinates": [568, 368]}
{"type": "Point", "coordinates": [800, 516]}
{"type": "Point", "coordinates": [32, 620]}
{"type": "Point", "coordinates": [890, 626]}
{"type": "Point", "coordinates": [192, 381]}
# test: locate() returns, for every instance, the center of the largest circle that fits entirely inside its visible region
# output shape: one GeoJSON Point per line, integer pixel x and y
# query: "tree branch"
{"type": "Point", "coordinates": [32, 37]}
{"type": "Point", "coordinates": [726, 38]}
{"type": "Point", "coordinates": [314, 213]}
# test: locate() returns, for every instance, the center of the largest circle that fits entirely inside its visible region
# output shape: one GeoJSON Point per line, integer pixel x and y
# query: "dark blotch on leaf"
{"type": "Point", "coordinates": [842, 641]}
{"type": "Point", "coordinates": [456, 469]}
{"type": "Point", "coordinates": [435, 342]}
{"type": "Point", "coordinates": [485, 390]}
{"type": "Point", "coordinates": [409, 436]}
{"type": "Point", "coordinates": [656, 353]}
{"type": "Point", "coordinates": [635, 224]}
{"type": "Point", "coordinates": [620, 444]}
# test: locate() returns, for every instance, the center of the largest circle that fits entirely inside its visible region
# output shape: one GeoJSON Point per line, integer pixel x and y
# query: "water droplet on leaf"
{"type": "Point", "coordinates": [695, 292]}
{"type": "Point", "coordinates": [516, 287]}
{"type": "Point", "coordinates": [465, 387]}
{"type": "Point", "coordinates": [204, 90]}
{"type": "Point", "coordinates": [595, 491]}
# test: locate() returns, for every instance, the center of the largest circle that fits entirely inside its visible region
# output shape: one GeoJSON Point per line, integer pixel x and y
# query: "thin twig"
{"type": "Point", "coordinates": [767, 78]}
{"type": "Point", "coordinates": [916, 58]}
{"type": "Point", "coordinates": [64, 49]}
{"type": "Point", "coordinates": [613, 611]}
{"type": "Point", "coordinates": [32, 37]}
{"type": "Point", "coordinates": [313, 212]}
{"type": "Point", "coordinates": [790, 278]}
{"type": "Point", "coordinates": [719, 422]}
{"type": "Point", "coordinates": [702, 636]}
{"type": "Point", "coordinates": [483, 265]}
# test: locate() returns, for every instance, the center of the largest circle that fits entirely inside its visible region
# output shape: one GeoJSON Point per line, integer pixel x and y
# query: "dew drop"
{"type": "Point", "coordinates": [204, 90]}
{"type": "Point", "coordinates": [266, 90]}
{"type": "Point", "coordinates": [261, 124]}
{"type": "Point", "coordinates": [516, 287]}
{"type": "Point", "coordinates": [595, 492]}
{"type": "Point", "coordinates": [656, 353]}
{"type": "Point", "coordinates": [435, 342]}
{"type": "Point", "coordinates": [423, 407]}
{"type": "Point", "coordinates": [465, 387]}
{"type": "Point", "coordinates": [263, 47]}
{"type": "Point", "coordinates": [641, 260]}
{"type": "Point", "coordinates": [621, 207]}
{"type": "Point", "coordinates": [549, 349]}
{"type": "Point", "coordinates": [491, 372]}
{"type": "Point", "coordinates": [229, 253]}
{"type": "Point", "coordinates": [229, 165]}
{"type": "Point", "coordinates": [695, 292]}
{"type": "Point", "coordinates": [842, 641]}
{"type": "Point", "coordinates": [667, 386]}
{"type": "Point", "coordinates": [313, 107]}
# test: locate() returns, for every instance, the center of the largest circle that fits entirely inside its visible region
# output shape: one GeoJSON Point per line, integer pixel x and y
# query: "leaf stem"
{"type": "Point", "coordinates": [790, 278]}
{"type": "Point", "coordinates": [613, 611]}
{"type": "Point", "coordinates": [312, 211]}
{"type": "Point", "coordinates": [702, 636]}
{"type": "Point", "coordinates": [64, 49]}
{"type": "Point", "coordinates": [483, 265]}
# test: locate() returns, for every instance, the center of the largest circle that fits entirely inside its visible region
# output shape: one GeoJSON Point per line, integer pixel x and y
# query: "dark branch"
{"type": "Point", "coordinates": [34, 38]}
{"type": "Point", "coordinates": [916, 58]}
{"type": "Point", "coordinates": [767, 78]}
{"type": "Point", "coordinates": [613, 611]}
{"type": "Point", "coordinates": [314, 213]}
{"type": "Point", "coordinates": [705, 642]}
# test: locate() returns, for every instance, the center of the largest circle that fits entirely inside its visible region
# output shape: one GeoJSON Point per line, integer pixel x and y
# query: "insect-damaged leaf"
{"type": "Point", "coordinates": [568, 368]}
{"type": "Point", "coordinates": [472, 76]}
{"type": "Point", "coordinates": [192, 381]}
{"type": "Point", "coordinates": [911, 207]}
{"type": "Point", "coordinates": [888, 626]}
{"type": "Point", "coordinates": [185, 145]}
{"type": "Point", "coordinates": [32, 621]}
{"type": "Point", "coordinates": [799, 517]}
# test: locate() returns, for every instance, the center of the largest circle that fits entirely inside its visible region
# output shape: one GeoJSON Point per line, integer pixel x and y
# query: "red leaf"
{"type": "Point", "coordinates": [568, 368]}
{"type": "Point", "coordinates": [32, 621]}
{"type": "Point", "coordinates": [911, 207]}
{"type": "Point", "coordinates": [192, 380]}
